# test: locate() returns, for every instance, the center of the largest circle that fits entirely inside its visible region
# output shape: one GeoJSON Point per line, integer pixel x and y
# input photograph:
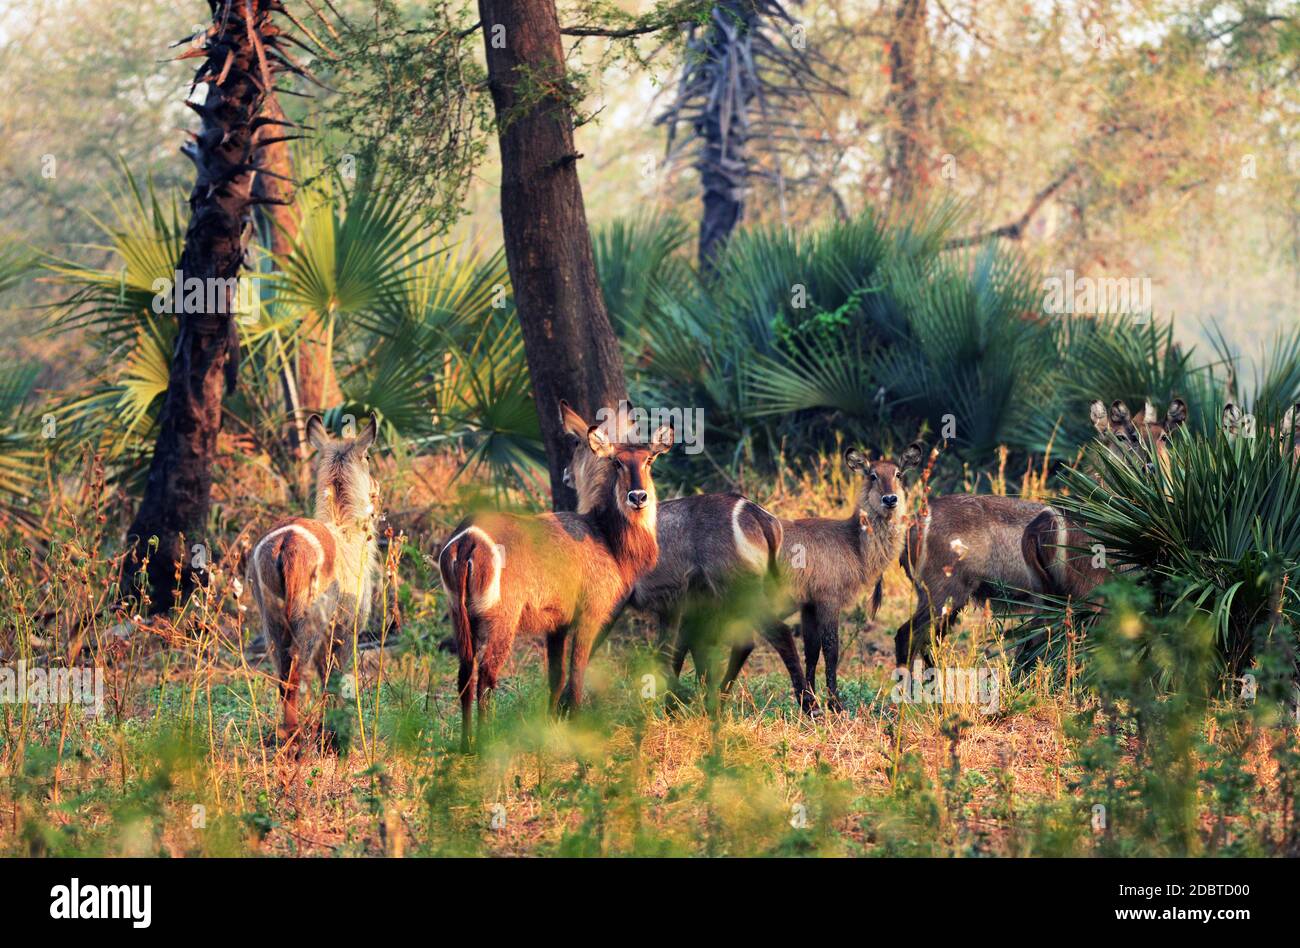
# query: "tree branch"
{"type": "Point", "coordinates": [1016, 228]}
{"type": "Point", "coordinates": [624, 33]}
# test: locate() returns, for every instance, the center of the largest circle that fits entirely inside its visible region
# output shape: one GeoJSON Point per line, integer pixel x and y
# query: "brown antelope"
{"type": "Point", "coordinates": [314, 579]}
{"type": "Point", "coordinates": [560, 576]}
{"type": "Point", "coordinates": [977, 546]}
{"type": "Point", "coordinates": [1236, 422]}
{"type": "Point", "coordinates": [971, 546]}
{"type": "Point", "coordinates": [829, 563]}
{"type": "Point", "coordinates": [1290, 431]}
{"type": "Point", "coordinates": [1126, 435]}
{"type": "Point", "coordinates": [713, 550]}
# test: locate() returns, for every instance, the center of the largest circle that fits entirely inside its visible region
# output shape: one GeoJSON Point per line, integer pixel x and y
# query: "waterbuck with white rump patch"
{"type": "Point", "coordinates": [829, 563]}
{"type": "Point", "coordinates": [314, 579]}
{"type": "Point", "coordinates": [561, 576]}
{"type": "Point", "coordinates": [967, 547]}
{"type": "Point", "coordinates": [978, 546]}
{"type": "Point", "coordinates": [717, 566]}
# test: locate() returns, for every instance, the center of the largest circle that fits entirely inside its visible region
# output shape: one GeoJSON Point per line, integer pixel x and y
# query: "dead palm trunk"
{"type": "Point", "coordinates": [238, 70]}
{"type": "Point", "coordinates": [724, 128]}
{"type": "Point", "coordinates": [746, 79]}
{"type": "Point", "coordinates": [570, 345]}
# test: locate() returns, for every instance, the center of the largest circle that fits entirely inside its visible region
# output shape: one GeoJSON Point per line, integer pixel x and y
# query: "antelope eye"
{"type": "Point", "coordinates": [873, 476]}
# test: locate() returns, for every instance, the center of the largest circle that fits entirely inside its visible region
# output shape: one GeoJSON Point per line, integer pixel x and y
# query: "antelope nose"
{"type": "Point", "coordinates": [637, 498]}
{"type": "Point", "coordinates": [890, 501]}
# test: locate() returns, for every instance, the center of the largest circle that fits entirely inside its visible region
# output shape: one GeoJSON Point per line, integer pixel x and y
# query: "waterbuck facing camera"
{"type": "Point", "coordinates": [559, 576]}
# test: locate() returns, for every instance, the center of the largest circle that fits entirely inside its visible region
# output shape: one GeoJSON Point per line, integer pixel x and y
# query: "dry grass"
{"type": "Point", "coordinates": [183, 760]}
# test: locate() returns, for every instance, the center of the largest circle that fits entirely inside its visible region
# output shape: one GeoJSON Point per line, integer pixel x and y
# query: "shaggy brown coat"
{"type": "Point", "coordinates": [313, 579]}
{"type": "Point", "coordinates": [828, 563]}
{"type": "Point", "coordinates": [714, 551]}
{"type": "Point", "coordinates": [560, 576]}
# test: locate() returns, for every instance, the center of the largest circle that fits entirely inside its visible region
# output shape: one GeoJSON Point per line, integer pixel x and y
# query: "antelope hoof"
{"type": "Point", "coordinates": [834, 705]}
{"type": "Point", "coordinates": [808, 704]}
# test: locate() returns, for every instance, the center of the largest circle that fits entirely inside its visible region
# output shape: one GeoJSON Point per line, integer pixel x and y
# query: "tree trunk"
{"type": "Point", "coordinates": [174, 511]}
{"type": "Point", "coordinates": [724, 162]}
{"type": "Point", "coordinates": [906, 155]}
{"type": "Point", "coordinates": [281, 225]}
{"type": "Point", "coordinates": [570, 345]}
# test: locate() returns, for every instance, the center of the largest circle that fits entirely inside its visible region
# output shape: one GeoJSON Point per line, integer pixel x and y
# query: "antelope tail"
{"type": "Point", "coordinates": [457, 564]}
{"type": "Point", "coordinates": [1040, 546]}
{"type": "Point", "coordinates": [772, 535]}
{"type": "Point", "coordinates": [297, 566]}
{"type": "Point", "coordinates": [471, 572]}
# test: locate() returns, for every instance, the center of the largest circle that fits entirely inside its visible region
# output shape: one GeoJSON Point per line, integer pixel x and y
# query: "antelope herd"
{"type": "Point", "coordinates": [695, 563]}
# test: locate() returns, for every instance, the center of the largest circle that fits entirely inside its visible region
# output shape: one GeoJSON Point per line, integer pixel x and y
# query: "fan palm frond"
{"type": "Point", "coordinates": [20, 455]}
{"type": "Point", "coordinates": [355, 254]}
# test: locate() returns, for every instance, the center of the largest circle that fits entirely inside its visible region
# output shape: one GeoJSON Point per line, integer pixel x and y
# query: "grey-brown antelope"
{"type": "Point", "coordinates": [1135, 436]}
{"type": "Point", "coordinates": [313, 579]}
{"type": "Point", "coordinates": [1236, 422]}
{"type": "Point", "coordinates": [828, 563]}
{"type": "Point", "coordinates": [717, 552]}
{"type": "Point", "coordinates": [560, 576]}
{"type": "Point", "coordinates": [967, 547]}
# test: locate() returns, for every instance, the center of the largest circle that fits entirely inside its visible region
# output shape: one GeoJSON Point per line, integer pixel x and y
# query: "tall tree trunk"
{"type": "Point", "coordinates": [318, 384]}
{"type": "Point", "coordinates": [174, 510]}
{"type": "Point", "coordinates": [570, 345]}
{"type": "Point", "coordinates": [276, 191]}
{"type": "Point", "coordinates": [905, 150]}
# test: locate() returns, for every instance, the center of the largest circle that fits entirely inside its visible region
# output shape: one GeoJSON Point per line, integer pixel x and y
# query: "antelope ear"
{"type": "Point", "coordinates": [368, 433]}
{"type": "Point", "coordinates": [912, 456]}
{"type": "Point", "coordinates": [662, 440]}
{"type": "Point", "coordinates": [1097, 412]}
{"type": "Point", "coordinates": [1230, 418]}
{"type": "Point", "coordinates": [317, 436]}
{"type": "Point", "coordinates": [1288, 420]}
{"type": "Point", "coordinates": [1176, 415]}
{"type": "Point", "coordinates": [1119, 413]}
{"type": "Point", "coordinates": [573, 423]}
{"type": "Point", "coordinates": [854, 460]}
{"type": "Point", "coordinates": [598, 442]}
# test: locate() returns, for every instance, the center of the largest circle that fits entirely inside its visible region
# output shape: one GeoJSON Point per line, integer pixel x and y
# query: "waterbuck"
{"type": "Point", "coordinates": [978, 546]}
{"type": "Point", "coordinates": [828, 563]}
{"type": "Point", "coordinates": [1236, 422]}
{"type": "Point", "coordinates": [968, 546]}
{"type": "Point", "coordinates": [314, 579]}
{"type": "Point", "coordinates": [717, 562]}
{"type": "Point", "coordinates": [560, 576]}
{"type": "Point", "coordinates": [1133, 437]}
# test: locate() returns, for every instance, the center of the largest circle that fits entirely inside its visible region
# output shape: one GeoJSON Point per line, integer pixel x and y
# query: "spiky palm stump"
{"type": "Point", "coordinates": [241, 58]}
{"type": "Point", "coordinates": [742, 90]}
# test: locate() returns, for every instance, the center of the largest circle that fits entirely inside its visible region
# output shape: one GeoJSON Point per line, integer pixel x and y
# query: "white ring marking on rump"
{"type": "Point", "coordinates": [745, 548]}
